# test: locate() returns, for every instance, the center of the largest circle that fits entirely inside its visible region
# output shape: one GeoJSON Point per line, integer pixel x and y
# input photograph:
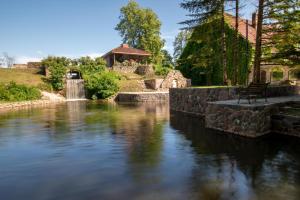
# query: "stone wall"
{"type": "Point", "coordinates": [250, 121]}
{"type": "Point", "coordinates": [142, 96]}
{"type": "Point", "coordinates": [194, 100]}
{"type": "Point", "coordinates": [141, 70]}
{"type": "Point", "coordinates": [145, 70]}
{"type": "Point", "coordinates": [175, 77]}
{"type": "Point", "coordinates": [153, 84]}
{"type": "Point", "coordinates": [125, 69]}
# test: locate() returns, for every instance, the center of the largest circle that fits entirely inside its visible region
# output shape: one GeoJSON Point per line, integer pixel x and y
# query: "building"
{"type": "Point", "coordinates": [125, 55]}
{"type": "Point", "coordinates": [270, 73]}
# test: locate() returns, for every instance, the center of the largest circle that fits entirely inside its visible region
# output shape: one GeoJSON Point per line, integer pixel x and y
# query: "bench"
{"type": "Point", "coordinates": [253, 91]}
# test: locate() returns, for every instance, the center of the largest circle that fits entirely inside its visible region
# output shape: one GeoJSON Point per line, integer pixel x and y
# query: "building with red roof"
{"type": "Point", "coordinates": [125, 53]}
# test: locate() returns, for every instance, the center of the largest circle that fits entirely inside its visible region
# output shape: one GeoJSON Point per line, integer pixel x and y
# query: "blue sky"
{"type": "Point", "coordinates": [32, 29]}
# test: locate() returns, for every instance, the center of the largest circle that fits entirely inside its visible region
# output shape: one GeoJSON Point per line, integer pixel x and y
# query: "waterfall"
{"type": "Point", "coordinates": [75, 89]}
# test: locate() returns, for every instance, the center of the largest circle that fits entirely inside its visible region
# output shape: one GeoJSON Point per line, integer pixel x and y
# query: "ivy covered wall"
{"type": "Point", "coordinates": [201, 59]}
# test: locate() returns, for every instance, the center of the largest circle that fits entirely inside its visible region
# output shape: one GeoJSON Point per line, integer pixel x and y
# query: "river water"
{"type": "Point", "coordinates": [83, 150]}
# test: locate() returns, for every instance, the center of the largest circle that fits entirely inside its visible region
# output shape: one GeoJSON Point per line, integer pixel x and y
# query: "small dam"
{"type": "Point", "coordinates": [75, 89]}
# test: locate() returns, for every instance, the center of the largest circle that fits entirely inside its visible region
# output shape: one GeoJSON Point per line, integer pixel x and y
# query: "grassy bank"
{"type": "Point", "coordinates": [30, 77]}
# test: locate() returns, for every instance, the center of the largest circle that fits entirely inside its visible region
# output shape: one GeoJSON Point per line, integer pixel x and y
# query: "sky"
{"type": "Point", "coordinates": [33, 29]}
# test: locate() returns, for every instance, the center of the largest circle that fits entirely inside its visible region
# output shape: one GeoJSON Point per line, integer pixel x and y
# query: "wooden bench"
{"type": "Point", "coordinates": [253, 91]}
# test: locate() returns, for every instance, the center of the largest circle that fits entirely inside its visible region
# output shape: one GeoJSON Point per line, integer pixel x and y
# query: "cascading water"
{"type": "Point", "coordinates": [75, 89]}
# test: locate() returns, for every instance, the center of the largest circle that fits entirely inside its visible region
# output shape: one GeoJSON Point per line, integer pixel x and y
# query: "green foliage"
{"type": "Point", "coordinates": [45, 87]}
{"type": "Point", "coordinates": [277, 74]}
{"type": "Point", "coordinates": [57, 67]}
{"type": "Point", "coordinates": [140, 28]}
{"type": "Point", "coordinates": [102, 85]}
{"type": "Point", "coordinates": [283, 17]}
{"type": "Point", "coordinates": [201, 59]}
{"type": "Point", "coordinates": [180, 42]}
{"type": "Point", "coordinates": [167, 59]}
{"type": "Point", "coordinates": [15, 92]}
{"type": "Point", "coordinates": [88, 65]}
{"type": "Point", "coordinates": [162, 70]}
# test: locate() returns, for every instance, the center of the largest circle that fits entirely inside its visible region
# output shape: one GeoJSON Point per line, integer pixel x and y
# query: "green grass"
{"type": "Point", "coordinates": [28, 77]}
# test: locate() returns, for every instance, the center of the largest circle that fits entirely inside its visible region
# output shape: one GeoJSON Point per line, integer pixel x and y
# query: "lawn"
{"type": "Point", "coordinates": [21, 76]}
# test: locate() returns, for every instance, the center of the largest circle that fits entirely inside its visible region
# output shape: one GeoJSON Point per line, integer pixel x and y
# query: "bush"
{"type": "Point", "coordinates": [162, 70]}
{"type": "Point", "coordinates": [102, 86]}
{"type": "Point", "coordinates": [88, 65]}
{"type": "Point", "coordinates": [15, 92]}
{"type": "Point", "coordinates": [45, 87]}
{"type": "Point", "coordinates": [57, 67]}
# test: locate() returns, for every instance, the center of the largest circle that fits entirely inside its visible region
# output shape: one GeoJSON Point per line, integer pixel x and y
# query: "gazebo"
{"type": "Point", "coordinates": [126, 53]}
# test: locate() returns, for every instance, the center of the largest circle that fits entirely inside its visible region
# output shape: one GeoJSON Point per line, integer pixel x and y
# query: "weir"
{"type": "Point", "coordinates": [75, 89]}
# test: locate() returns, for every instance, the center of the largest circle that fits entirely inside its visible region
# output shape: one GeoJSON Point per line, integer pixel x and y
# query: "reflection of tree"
{"type": "Point", "coordinates": [141, 128]}
{"type": "Point", "coordinates": [231, 167]}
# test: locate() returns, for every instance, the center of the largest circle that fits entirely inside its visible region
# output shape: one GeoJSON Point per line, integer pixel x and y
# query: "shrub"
{"type": "Point", "coordinates": [88, 65]}
{"type": "Point", "coordinates": [101, 85]}
{"type": "Point", "coordinates": [15, 92]}
{"type": "Point", "coordinates": [57, 67]}
{"type": "Point", "coordinates": [161, 70]}
{"type": "Point", "coordinates": [45, 87]}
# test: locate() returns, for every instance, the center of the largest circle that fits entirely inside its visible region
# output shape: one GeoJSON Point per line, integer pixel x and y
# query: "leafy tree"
{"type": "Point", "coordinates": [281, 33]}
{"type": "Point", "coordinates": [167, 59]}
{"type": "Point", "coordinates": [87, 65]}
{"type": "Point", "coordinates": [140, 28]}
{"type": "Point", "coordinates": [180, 42]}
{"type": "Point", "coordinates": [57, 67]}
{"type": "Point", "coordinates": [201, 59]}
{"type": "Point", "coordinates": [202, 11]}
{"type": "Point", "coordinates": [101, 86]}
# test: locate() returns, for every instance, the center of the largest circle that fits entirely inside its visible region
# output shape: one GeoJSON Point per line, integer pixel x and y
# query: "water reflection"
{"type": "Point", "coordinates": [230, 167]}
{"type": "Point", "coordinates": [83, 150]}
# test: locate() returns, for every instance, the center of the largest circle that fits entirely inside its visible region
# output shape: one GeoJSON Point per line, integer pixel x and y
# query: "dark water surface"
{"type": "Point", "coordinates": [104, 151]}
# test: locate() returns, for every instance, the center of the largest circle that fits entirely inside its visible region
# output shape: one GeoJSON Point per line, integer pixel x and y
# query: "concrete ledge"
{"type": "Point", "coordinates": [142, 96]}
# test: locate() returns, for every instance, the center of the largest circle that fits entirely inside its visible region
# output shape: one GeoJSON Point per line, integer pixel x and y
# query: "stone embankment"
{"type": "Point", "coordinates": [142, 96]}
{"type": "Point", "coordinates": [47, 98]}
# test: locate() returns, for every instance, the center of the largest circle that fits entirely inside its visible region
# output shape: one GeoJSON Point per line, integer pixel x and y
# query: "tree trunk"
{"type": "Point", "coordinates": [257, 58]}
{"type": "Point", "coordinates": [224, 58]}
{"type": "Point", "coordinates": [236, 44]}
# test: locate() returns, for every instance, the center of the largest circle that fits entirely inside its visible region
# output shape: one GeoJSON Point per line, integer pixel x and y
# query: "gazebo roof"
{"type": "Point", "coordinates": [126, 50]}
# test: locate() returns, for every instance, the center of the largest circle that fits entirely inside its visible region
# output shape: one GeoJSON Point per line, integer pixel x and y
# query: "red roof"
{"type": "Point", "coordinates": [242, 27]}
{"type": "Point", "coordinates": [125, 49]}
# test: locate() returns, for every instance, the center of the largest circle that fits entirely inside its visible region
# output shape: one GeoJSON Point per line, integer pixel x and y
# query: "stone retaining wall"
{"type": "Point", "coordinates": [142, 96]}
{"type": "Point", "coordinates": [249, 121]}
{"type": "Point", "coordinates": [194, 100]}
{"type": "Point", "coordinates": [26, 104]}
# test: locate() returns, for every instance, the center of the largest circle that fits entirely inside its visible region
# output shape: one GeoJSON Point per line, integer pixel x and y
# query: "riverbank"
{"type": "Point", "coordinates": [47, 99]}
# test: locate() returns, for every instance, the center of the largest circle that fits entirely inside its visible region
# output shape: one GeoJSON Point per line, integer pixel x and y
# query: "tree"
{"type": "Point", "coordinates": [281, 32]}
{"type": "Point", "coordinates": [140, 28]}
{"type": "Point", "coordinates": [203, 11]}
{"type": "Point", "coordinates": [8, 60]}
{"type": "Point", "coordinates": [180, 42]}
{"type": "Point", "coordinates": [258, 47]}
{"type": "Point", "coordinates": [167, 59]}
{"type": "Point", "coordinates": [235, 46]}
{"type": "Point", "coordinates": [57, 67]}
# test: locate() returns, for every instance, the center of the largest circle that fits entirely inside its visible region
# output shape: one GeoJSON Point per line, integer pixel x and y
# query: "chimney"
{"type": "Point", "coordinates": [254, 20]}
{"type": "Point", "coordinates": [125, 45]}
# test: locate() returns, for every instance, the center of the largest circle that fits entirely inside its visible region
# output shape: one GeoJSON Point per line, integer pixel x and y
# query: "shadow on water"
{"type": "Point", "coordinates": [234, 167]}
